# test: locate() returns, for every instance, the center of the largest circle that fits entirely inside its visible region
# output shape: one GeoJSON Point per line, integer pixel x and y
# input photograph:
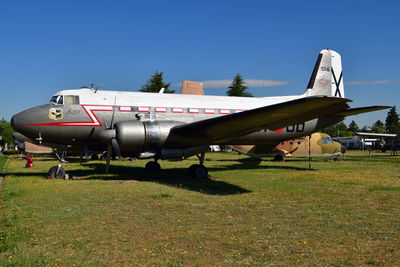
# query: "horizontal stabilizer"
{"type": "Point", "coordinates": [355, 111]}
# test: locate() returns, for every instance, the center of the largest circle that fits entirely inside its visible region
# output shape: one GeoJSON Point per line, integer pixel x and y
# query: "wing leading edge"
{"type": "Point", "coordinates": [271, 117]}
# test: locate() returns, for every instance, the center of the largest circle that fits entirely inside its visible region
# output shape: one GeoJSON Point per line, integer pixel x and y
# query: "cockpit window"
{"type": "Point", "coordinates": [53, 99]}
{"type": "Point", "coordinates": [327, 140]}
{"type": "Point", "coordinates": [60, 100]}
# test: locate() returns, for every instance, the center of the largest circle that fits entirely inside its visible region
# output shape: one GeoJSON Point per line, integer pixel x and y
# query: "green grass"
{"type": "Point", "coordinates": [3, 160]}
{"type": "Point", "coordinates": [250, 212]}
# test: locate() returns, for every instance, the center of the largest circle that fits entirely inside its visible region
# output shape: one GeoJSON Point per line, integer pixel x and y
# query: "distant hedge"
{"type": "Point", "coordinates": [11, 152]}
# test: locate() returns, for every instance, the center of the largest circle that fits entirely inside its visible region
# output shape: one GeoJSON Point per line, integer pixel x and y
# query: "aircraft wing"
{"type": "Point", "coordinates": [378, 135]}
{"type": "Point", "coordinates": [272, 117]}
{"type": "Point", "coordinates": [355, 111]}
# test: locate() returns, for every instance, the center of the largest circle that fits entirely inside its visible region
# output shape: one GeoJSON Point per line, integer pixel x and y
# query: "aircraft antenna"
{"type": "Point", "coordinates": [263, 77]}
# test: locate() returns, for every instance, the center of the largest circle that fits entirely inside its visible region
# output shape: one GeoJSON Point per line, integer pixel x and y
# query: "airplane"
{"type": "Point", "coordinates": [176, 126]}
{"type": "Point", "coordinates": [321, 145]}
{"type": "Point", "coordinates": [382, 138]}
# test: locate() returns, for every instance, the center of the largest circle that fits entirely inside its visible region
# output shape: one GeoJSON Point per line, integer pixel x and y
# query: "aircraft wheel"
{"type": "Point", "coordinates": [153, 166]}
{"type": "Point", "coordinates": [278, 158]}
{"type": "Point", "coordinates": [54, 174]}
{"type": "Point", "coordinates": [197, 171]}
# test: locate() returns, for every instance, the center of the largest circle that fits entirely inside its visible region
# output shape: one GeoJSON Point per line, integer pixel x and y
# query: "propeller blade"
{"type": "Point", "coordinates": [112, 118]}
{"type": "Point", "coordinates": [108, 159]}
{"type": "Point", "coordinates": [115, 147]}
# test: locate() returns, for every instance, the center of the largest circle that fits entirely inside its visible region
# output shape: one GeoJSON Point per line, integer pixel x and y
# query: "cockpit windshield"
{"type": "Point", "coordinates": [57, 99]}
{"type": "Point", "coordinates": [327, 140]}
{"type": "Point", "coordinates": [53, 99]}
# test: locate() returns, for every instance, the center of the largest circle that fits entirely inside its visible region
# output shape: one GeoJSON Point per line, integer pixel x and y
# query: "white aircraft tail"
{"type": "Point", "coordinates": [327, 77]}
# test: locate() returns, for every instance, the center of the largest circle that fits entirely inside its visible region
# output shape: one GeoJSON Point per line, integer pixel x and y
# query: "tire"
{"type": "Point", "coordinates": [278, 158]}
{"type": "Point", "coordinates": [54, 174]}
{"type": "Point", "coordinates": [153, 166]}
{"type": "Point", "coordinates": [197, 171]}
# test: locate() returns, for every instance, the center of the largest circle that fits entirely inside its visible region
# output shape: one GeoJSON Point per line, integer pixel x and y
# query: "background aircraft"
{"type": "Point", "coordinates": [321, 145]}
{"type": "Point", "coordinates": [168, 126]}
{"type": "Point", "coordinates": [384, 138]}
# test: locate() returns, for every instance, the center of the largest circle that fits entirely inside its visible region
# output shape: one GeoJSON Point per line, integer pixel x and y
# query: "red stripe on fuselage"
{"type": "Point", "coordinates": [278, 131]}
{"type": "Point", "coordinates": [94, 121]}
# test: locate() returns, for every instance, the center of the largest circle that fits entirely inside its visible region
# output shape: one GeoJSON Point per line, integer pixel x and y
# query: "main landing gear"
{"type": "Point", "coordinates": [153, 167]}
{"type": "Point", "coordinates": [58, 171]}
{"type": "Point", "coordinates": [196, 171]}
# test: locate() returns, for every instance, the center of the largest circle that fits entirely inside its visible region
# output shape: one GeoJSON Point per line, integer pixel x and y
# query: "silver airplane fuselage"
{"type": "Point", "coordinates": [75, 117]}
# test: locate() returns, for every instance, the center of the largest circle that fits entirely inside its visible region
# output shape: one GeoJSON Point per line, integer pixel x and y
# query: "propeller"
{"type": "Point", "coordinates": [108, 135]}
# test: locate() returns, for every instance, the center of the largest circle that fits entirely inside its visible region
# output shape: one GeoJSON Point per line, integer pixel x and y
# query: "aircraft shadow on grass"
{"type": "Point", "coordinates": [175, 177]}
{"type": "Point", "coordinates": [254, 163]}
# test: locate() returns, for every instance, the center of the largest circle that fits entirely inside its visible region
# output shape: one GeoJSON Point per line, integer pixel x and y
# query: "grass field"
{"type": "Point", "coordinates": [250, 212]}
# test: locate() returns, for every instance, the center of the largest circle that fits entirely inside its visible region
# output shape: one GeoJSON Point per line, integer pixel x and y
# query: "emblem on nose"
{"type": "Point", "coordinates": [55, 113]}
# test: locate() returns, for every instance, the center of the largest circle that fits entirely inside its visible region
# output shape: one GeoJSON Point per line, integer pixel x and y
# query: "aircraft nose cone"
{"type": "Point", "coordinates": [12, 122]}
{"type": "Point", "coordinates": [16, 122]}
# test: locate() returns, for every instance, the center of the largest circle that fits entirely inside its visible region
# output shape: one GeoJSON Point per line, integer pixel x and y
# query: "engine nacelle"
{"type": "Point", "coordinates": [138, 136]}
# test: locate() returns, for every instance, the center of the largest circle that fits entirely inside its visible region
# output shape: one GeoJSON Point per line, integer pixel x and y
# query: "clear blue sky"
{"type": "Point", "coordinates": [47, 46]}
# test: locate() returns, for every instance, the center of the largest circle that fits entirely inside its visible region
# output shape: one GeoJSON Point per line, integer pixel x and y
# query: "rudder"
{"type": "Point", "coordinates": [327, 76]}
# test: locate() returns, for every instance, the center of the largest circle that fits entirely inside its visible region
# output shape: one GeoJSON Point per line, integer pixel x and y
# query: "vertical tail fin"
{"type": "Point", "coordinates": [327, 77]}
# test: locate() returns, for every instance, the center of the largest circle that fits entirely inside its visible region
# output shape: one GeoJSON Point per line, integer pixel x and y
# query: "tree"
{"type": "Point", "coordinates": [237, 88]}
{"type": "Point", "coordinates": [392, 121]}
{"type": "Point", "coordinates": [353, 127]}
{"type": "Point", "coordinates": [155, 83]}
{"type": "Point", "coordinates": [365, 129]}
{"type": "Point", "coordinates": [6, 132]}
{"type": "Point", "coordinates": [337, 130]}
{"type": "Point", "coordinates": [378, 127]}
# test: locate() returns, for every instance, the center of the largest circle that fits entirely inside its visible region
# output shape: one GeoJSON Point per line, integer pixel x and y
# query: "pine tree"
{"type": "Point", "coordinates": [353, 127]}
{"type": "Point", "coordinates": [392, 121]}
{"type": "Point", "coordinates": [378, 127]}
{"type": "Point", "coordinates": [237, 88]}
{"type": "Point", "coordinates": [155, 83]}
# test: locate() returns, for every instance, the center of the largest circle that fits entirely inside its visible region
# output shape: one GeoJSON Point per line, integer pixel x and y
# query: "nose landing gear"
{"type": "Point", "coordinates": [58, 171]}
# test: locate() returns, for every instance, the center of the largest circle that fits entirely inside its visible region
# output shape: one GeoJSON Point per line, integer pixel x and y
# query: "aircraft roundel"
{"type": "Point", "coordinates": [55, 113]}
